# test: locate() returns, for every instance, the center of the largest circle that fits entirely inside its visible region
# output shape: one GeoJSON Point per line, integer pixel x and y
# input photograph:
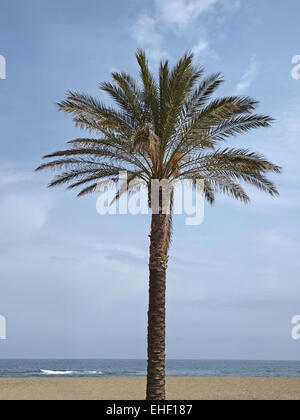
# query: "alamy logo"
{"type": "Point", "coordinates": [296, 69]}
{"type": "Point", "coordinates": [296, 329]}
{"type": "Point", "coordinates": [2, 328]}
{"type": "Point", "coordinates": [161, 196]}
{"type": "Point", "coordinates": [2, 67]}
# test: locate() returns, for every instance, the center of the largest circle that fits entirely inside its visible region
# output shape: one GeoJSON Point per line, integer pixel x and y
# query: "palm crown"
{"type": "Point", "coordinates": [163, 129]}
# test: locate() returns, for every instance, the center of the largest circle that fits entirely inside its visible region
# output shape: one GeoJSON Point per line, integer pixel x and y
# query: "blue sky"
{"type": "Point", "coordinates": [73, 283]}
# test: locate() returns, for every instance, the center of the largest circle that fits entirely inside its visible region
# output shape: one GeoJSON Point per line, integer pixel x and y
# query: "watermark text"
{"type": "Point", "coordinates": [161, 197]}
{"type": "Point", "coordinates": [296, 68]}
{"type": "Point", "coordinates": [2, 67]}
{"type": "Point", "coordinates": [2, 328]}
{"type": "Point", "coordinates": [296, 328]}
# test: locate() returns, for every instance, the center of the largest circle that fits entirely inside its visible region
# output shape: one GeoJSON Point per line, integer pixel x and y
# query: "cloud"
{"type": "Point", "coordinates": [281, 145]}
{"type": "Point", "coordinates": [250, 75]}
{"type": "Point", "coordinates": [288, 201]}
{"type": "Point", "coordinates": [23, 209]}
{"type": "Point", "coordinates": [14, 178]}
{"type": "Point", "coordinates": [22, 215]}
{"type": "Point", "coordinates": [274, 238]}
{"type": "Point", "coordinates": [202, 49]}
{"type": "Point", "coordinates": [178, 17]}
{"type": "Point", "coordinates": [231, 5]}
{"type": "Point", "coordinates": [9, 175]}
{"type": "Point", "coordinates": [146, 35]}
{"type": "Point", "coordinates": [182, 12]}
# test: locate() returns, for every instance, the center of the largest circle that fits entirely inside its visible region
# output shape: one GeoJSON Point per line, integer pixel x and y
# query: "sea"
{"type": "Point", "coordinates": [125, 368]}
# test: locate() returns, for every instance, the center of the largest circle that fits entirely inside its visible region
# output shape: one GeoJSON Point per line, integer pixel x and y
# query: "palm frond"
{"type": "Point", "coordinates": [100, 171]}
{"type": "Point", "coordinates": [151, 100]}
{"type": "Point", "coordinates": [201, 94]}
{"type": "Point", "coordinates": [228, 187]}
{"type": "Point", "coordinates": [209, 192]}
{"type": "Point", "coordinates": [127, 95]}
{"type": "Point", "coordinates": [181, 82]}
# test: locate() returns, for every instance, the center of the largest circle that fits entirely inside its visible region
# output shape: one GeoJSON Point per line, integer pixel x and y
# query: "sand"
{"type": "Point", "coordinates": [134, 389]}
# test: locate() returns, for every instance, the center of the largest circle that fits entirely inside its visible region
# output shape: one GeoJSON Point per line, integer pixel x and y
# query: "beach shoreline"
{"type": "Point", "coordinates": [133, 388]}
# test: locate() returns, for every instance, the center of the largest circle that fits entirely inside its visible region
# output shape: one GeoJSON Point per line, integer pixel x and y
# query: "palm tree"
{"type": "Point", "coordinates": [168, 128]}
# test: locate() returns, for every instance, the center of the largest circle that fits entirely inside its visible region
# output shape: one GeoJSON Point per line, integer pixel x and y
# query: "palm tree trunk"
{"type": "Point", "coordinates": [157, 309]}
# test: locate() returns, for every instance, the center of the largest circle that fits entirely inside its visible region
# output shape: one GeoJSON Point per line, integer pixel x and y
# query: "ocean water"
{"type": "Point", "coordinates": [105, 367]}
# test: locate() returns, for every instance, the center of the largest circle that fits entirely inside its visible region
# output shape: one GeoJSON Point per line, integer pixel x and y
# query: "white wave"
{"type": "Point", "coordinates": [70, 372]}
{"type": "Point", "coordinates": [92, 372]}
{"type": "Point", "coordinates": [57, 372]}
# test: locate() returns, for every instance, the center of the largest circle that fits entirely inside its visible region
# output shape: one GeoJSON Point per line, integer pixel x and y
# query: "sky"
{"type": "Point", "coordinates": [74, 284]}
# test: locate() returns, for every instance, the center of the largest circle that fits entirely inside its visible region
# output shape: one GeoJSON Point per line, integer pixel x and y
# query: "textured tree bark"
{"type": "Point", "coordinates": [157, 309]}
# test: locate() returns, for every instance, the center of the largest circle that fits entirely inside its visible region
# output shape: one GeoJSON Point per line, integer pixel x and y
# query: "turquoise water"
{"type": "Point", "coordinates": [104, 367]}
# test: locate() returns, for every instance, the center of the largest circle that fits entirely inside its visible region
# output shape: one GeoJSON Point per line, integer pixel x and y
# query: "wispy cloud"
{"type": "Point", "coordinates": [250, 75]}
{"type": "Point", "coordinates": [203, 49]}
{"type": "Point", "coordinates": [23, 215]}
{"type": "Point", "coordinates": [9, 175]}
{"type": "Point", "coordinates": [232, 5]}
{"type": "Point", "coordinates": [182, 12]}
{"type": "Point", "coordinates": [13, 178]}
{"type": "Point", "coordinates": [177, 16]}
{"type": "Point", "coordinates": [23, 212]}
{"type": "Point", "coordinates": [274, 238]}
{"type": "Point", "coordinates": [146, 35]}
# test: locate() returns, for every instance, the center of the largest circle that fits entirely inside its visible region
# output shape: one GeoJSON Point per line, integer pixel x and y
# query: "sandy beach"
{"type": "Point", "coordinates": [134, 389]}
